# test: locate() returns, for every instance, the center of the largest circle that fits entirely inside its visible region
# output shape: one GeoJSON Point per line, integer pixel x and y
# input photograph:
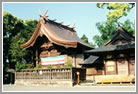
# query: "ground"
{"type": "Point", "coordinates": [97, 88]}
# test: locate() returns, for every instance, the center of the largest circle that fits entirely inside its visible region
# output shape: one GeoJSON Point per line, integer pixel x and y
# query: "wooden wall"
{"type": "Point", "coordinates": [79, 59]}
{"type": "Point", "coordinates": [110, 67]}
{"type": "Point", "coordinates": [132, 66]}
{"type": "Point", "coordinates": [120, 66]}
{"type": "Point", "coordinates": [75, 59]}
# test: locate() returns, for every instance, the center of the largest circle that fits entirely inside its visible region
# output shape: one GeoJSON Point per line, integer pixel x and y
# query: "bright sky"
{"type": "Point", "coordinates": [86, 15]}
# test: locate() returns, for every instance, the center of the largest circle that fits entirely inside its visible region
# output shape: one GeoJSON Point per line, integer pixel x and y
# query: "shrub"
{"type": "Point", "coordinates": [20, 66]}
{"type": "Point", "coordinates": [38, 66]}
{"type": "Point", "coordinates": [49, 66]}
{"type": "Point", "coordinates": [68, 64]}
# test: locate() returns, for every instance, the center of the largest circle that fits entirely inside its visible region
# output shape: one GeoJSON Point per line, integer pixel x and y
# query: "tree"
{"type": "Point", "coordinates": [15, 33]}
{"type": "Point", "coordinates": [108, 29]}
{"type": "Point", "coordinates": [30, 26]}
{"type": "Point", "coordinates": [129, 26]}
{"type": "Point", "coordinates": [85, 39]}
{"type": "Point", "coordinates": [116, 10]}
{"type": "Point", "coordinates": [11, 26]}
{"type": "Point", "coordinates": [17, 53]}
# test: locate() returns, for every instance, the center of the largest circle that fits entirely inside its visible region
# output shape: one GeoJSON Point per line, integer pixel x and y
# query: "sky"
{"type": "Point", "coordinates": [85, 15]}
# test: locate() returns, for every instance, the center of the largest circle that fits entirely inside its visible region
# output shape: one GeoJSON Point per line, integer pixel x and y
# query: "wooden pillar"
{"type": "Point", "coordinates": [104, 67]}
{"type": "Point", "coordinates": [128, 66]}
{"type": "Point", "coordinates": [33, 58]}
{"type": "Point", "coordinates": [36, 56]}
{"type": "Point", "coordinates": [116, 66]}
{"type": "Point", "coordinates": [75, 60]}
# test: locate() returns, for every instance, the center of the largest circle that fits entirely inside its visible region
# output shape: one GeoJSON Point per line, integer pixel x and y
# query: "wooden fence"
{"type": "Point", "coordinates": [51, 74]}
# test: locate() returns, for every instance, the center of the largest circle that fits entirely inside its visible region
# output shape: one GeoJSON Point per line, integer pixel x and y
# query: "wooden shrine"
{"type": "Point", "coordinates": [113, 62]}
{"type": "Point", "coordinates": [53, 43]}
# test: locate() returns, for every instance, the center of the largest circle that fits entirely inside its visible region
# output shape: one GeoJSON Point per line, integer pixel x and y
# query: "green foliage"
{"type": "Point", "coordinates": [38, 66]}
{"type": "Point", "coordinates": [15, 33]}
{"type": "Point", "coordinates": [108, 29]}
{"type": "Point", "coordinates": [11, 26]}
{"type": "Point", "coordinates": [19, 66]}
{"type": "Point", "coordinates": [116, 10]}
{"type": "Point", "coordinates": [49, 66]}
{"type": "Point", "coordinates": [15, 49]}
{"type": "Point", "coordinates": [68, 64]}
{"type": "Point", "coordinates": [85, 39]}
{"type": "Point", "coordinates": [30, 66]}
{"type": "Point", "coordinates": [30, 26]}
{"type": "Point", "coordinates": [129, 26]}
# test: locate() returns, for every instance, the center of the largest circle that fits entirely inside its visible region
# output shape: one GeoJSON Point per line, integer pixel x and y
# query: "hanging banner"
{"type": "Point", "coordinates": [53, 60]}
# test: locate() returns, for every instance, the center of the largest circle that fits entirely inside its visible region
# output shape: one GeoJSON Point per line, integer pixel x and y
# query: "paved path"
{"type": "Point", "coordinates": [8, 88]}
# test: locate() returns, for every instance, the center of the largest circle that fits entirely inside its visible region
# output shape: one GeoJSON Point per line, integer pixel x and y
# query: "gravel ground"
{"type": "Point", "coordinates": [77, 88]}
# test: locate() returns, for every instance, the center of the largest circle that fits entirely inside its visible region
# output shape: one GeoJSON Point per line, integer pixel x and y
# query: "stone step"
{"type": "Point", "coordinates": [87, 83]}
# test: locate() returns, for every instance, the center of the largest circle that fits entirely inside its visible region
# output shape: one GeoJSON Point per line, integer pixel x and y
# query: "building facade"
{"type": "Point", "coordinates": [113, 62]}
{"type": "Point", "coordinates": [54, 44]}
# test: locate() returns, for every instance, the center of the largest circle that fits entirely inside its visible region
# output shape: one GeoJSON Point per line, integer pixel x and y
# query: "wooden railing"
{"type": "Point", "coordinates": [47, 74]}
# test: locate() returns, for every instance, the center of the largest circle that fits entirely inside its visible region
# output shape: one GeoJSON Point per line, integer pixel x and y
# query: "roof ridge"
{"type": "Point", "coordinates": [123, 30]}
{"type": "Point", "coordinates": [60, 24]}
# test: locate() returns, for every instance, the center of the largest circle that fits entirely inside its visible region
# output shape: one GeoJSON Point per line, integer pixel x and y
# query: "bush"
{"type": "Point", "coordinates": [38, 66]}
{"type": "Point", "coordinates": [49, 66]}
{"type": "Point", "coordinates": [30, 66]}
{"type": "Point", "coordinates": [68, 64]}
{"type": "Point", "coordinates": [20, 66]}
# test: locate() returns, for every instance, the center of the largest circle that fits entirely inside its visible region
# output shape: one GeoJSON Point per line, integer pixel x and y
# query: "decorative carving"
{"type": "Point", "coordinates": [52, 52]}
{"type": "Point", "coordinates": [46, 45]}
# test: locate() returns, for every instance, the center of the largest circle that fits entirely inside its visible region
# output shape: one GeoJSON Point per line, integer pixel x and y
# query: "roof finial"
{"type": "Point", "coordinates": [73, 26]}
{"type": "Point", "coordinates": [61, 22]}
{"type": "Point", "coordinates": [54, 20]}
{"type": "Point", "coordinates": [119, 26]}
{"type": "Point", "coordinates": [67, 24]}
{"type": "Point", "coordinates": [46, 12]}
{"type": "Point", "coordinates": [41, 13]}
{"type": "Point", "coordinates": [44, 15]}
